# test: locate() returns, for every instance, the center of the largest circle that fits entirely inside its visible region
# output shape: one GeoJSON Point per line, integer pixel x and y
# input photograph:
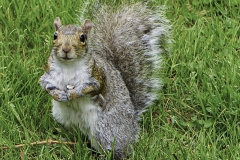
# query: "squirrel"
{"type": "Point", "coordinates": [103, 74]}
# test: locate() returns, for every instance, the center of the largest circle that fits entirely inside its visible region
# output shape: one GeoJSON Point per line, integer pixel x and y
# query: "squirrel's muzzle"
{"type": "Point", "coordinates": [66, 48]}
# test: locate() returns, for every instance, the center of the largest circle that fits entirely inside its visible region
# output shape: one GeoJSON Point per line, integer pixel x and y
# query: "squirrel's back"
{"type": "Point", "coordinates": [132, 39]}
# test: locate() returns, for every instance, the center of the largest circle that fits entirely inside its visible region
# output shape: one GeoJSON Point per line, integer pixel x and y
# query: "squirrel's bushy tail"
{"type": "Point", "coordinates": [132, 39]}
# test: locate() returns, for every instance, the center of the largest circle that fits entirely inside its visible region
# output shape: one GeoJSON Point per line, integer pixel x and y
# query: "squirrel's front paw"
{"type": "Point", "coordinates": [56, 94]}
{"type": "Point", "coordinates": [73, 94]}
{"type": "Point", "coordinates": [76, 92]}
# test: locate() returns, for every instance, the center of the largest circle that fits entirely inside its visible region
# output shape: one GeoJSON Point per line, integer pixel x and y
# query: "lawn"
{"type": "Point", "coordinates": [198, 113]}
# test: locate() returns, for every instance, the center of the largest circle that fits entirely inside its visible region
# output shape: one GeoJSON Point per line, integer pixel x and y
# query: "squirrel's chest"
{"type": "Point", "coordinates": [74, 75]}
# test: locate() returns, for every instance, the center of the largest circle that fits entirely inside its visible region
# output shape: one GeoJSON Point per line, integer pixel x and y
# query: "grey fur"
{"type": "Point", "coordinates": [130, 38]}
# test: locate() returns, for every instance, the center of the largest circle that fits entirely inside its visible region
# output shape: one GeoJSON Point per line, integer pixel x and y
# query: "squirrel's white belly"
{"type": "Point", "coordinates": [78, 113]}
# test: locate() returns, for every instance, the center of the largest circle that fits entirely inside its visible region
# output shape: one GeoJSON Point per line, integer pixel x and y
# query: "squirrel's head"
{"type": "Point", "coordinates": [70, 41]}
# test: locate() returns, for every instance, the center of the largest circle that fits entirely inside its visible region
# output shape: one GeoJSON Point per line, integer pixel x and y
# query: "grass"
{"type": "Point", "coordinates": [198, 115]}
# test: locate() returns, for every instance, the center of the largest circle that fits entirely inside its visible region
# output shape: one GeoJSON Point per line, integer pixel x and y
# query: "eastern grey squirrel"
{"type": "Point", "coordinates": [102, 75]}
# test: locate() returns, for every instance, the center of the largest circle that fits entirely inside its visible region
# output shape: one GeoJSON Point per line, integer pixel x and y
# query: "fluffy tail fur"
{"type": "Point", "coordinates": [132, 39]}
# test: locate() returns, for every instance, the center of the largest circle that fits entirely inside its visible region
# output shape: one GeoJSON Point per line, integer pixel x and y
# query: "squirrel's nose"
{"type": "Point", "coordinates": [66, 48]}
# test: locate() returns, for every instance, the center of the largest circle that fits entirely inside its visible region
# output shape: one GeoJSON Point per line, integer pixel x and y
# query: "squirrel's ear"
{"type": "Point", "coordinates": [57, 23]}
{"type": "Point", "coordinates": [86, 26]}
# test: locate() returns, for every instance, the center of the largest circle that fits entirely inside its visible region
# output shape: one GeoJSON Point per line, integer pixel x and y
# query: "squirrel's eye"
{"type": "Point", "coordinates": [82, 38]}
{"type": "Point", "coordinates": [55, 36]}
